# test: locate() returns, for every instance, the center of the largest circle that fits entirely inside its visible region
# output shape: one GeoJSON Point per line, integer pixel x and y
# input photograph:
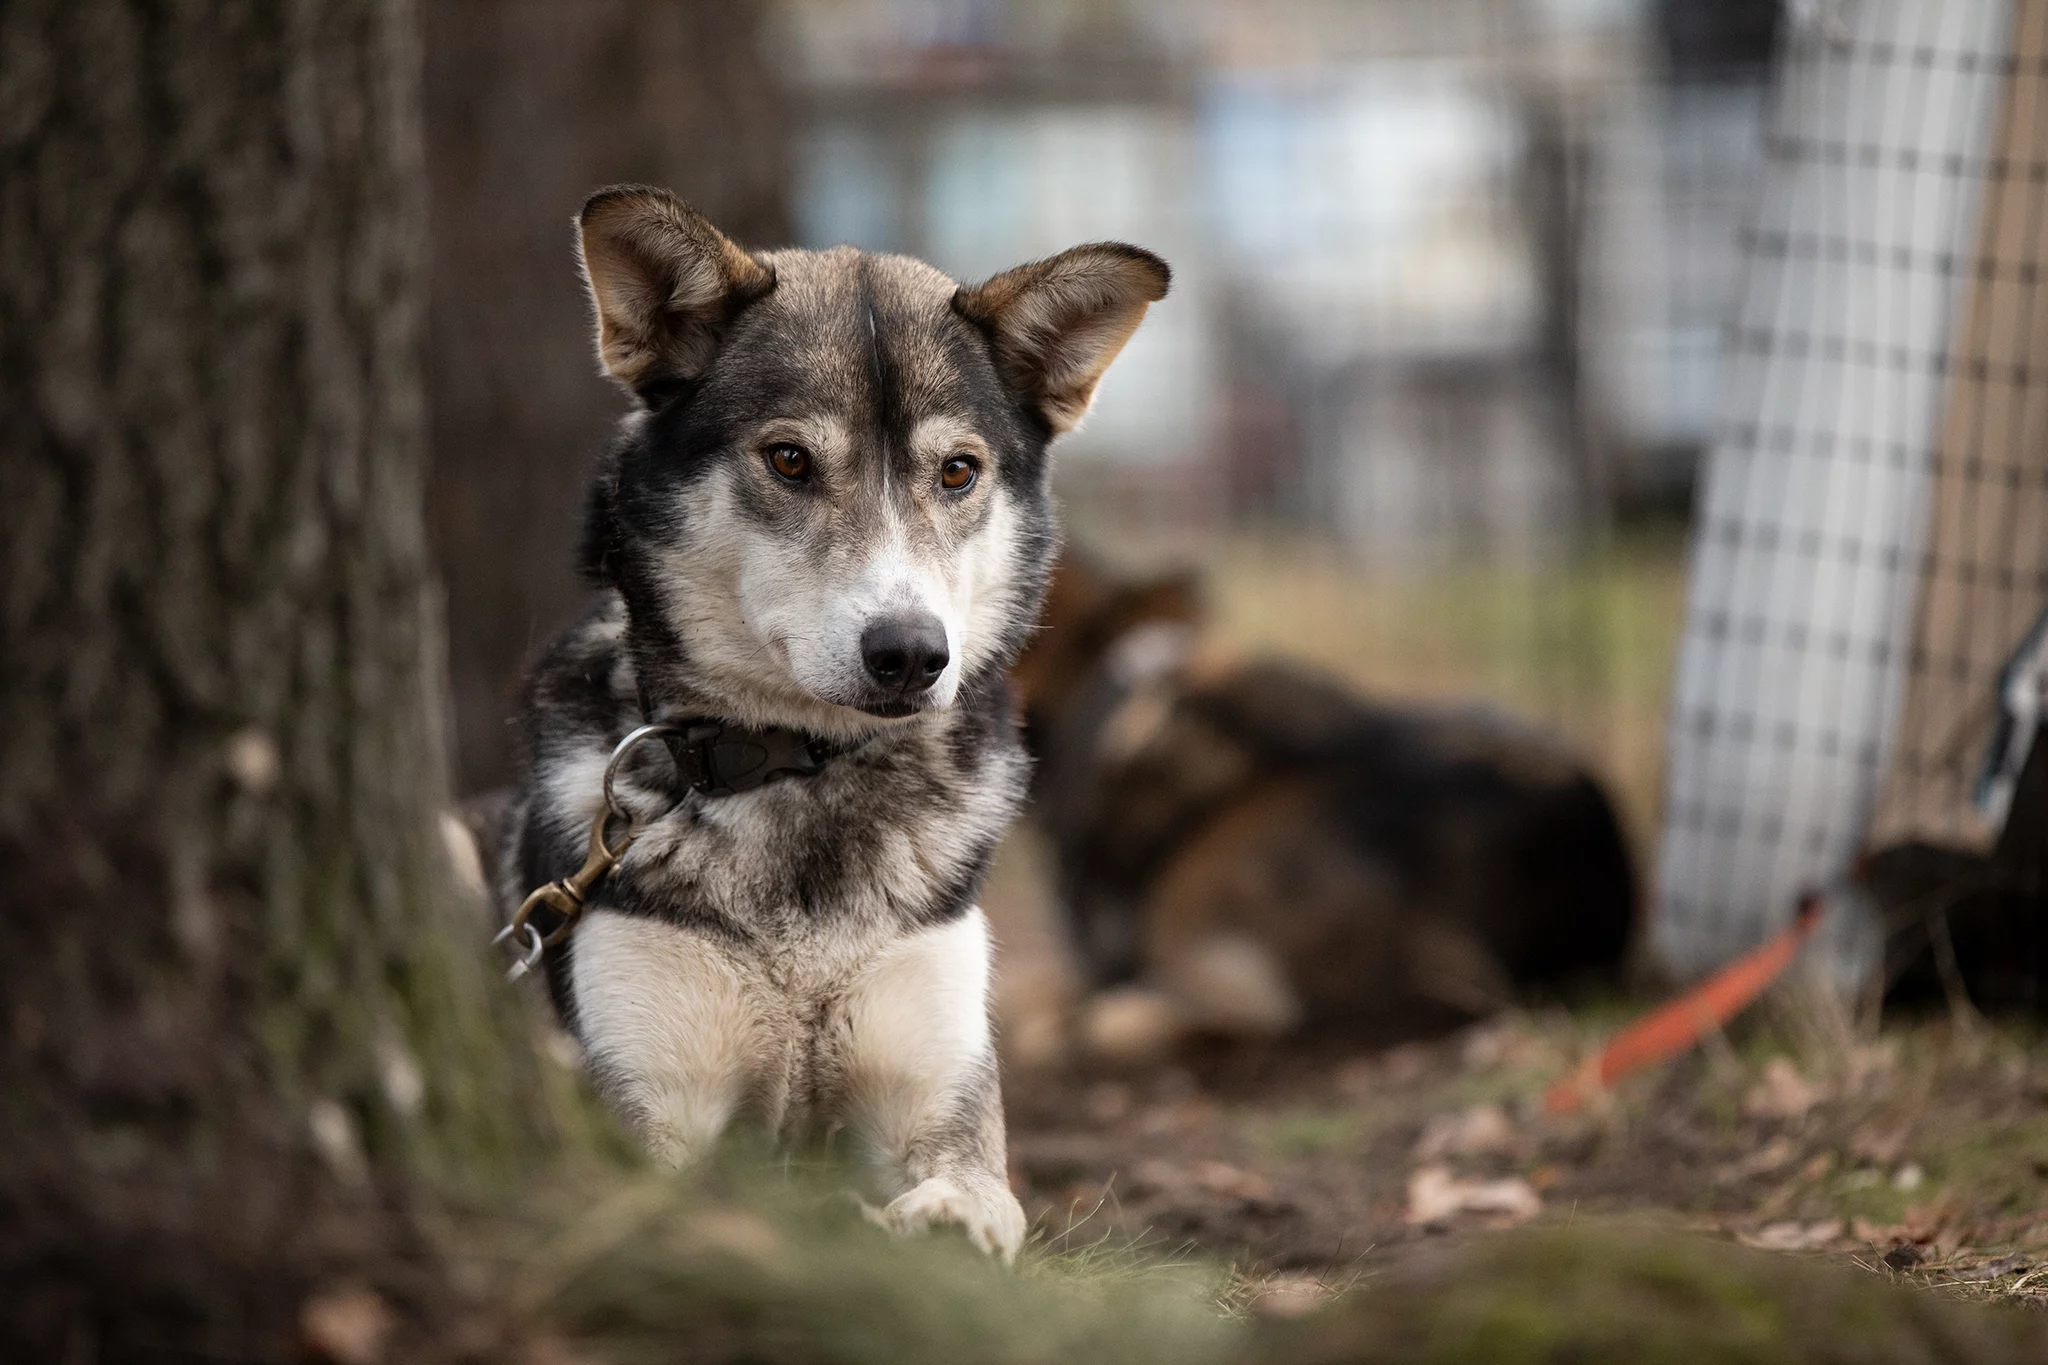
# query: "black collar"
{"type": "Point", "coordinates": [715, 758]}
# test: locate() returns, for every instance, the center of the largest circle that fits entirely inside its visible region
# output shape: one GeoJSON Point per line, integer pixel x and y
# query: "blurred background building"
{"type": "Point", "coordinates": [1450, 275]}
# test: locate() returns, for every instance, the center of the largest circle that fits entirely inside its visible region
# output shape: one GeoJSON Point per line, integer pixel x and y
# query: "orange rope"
{"type": "Point", "coordinates": [1678, 1025]}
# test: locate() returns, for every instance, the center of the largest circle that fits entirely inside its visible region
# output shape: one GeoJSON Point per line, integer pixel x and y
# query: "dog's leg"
{"type": "Point", "coordinates": [669, 1029]}
{"type": "Point", "coordinates": [922, 1088]}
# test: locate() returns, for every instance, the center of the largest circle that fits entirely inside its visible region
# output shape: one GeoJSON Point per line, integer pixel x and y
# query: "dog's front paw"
{"type": "Point", "coordinates": [991, 1217]}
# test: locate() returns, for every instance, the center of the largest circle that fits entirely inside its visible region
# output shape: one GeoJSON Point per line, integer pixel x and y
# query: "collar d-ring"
{"type": "Point", "coordinates": [633, 740]}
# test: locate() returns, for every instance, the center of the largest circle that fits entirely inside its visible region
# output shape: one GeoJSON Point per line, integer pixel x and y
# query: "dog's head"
{"type": "Point", "coordinates": [831, 501]}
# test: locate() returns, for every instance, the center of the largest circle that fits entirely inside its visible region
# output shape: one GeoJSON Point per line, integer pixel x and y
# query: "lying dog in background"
{"type": "Point", "coordinates": [818, 541]}
{"type": "Point", "coordinates": [1257, 848]}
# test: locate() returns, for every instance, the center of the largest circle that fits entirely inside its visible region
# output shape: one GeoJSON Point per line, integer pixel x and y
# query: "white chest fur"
{"type": "Point", "coordinates": [686, 1029]}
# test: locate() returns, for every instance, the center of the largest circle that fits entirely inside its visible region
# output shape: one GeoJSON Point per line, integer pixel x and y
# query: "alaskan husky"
{"type": "Point", "coordinates": [817, 540]}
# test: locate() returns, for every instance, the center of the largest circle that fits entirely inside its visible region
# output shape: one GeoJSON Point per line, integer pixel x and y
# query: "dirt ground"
{"type": "Point", "coordinates": [1917, 1148]}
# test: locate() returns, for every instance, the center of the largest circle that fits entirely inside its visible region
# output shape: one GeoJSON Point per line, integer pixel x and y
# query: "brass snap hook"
{"type": "Point", "coordinates": [566, 896]}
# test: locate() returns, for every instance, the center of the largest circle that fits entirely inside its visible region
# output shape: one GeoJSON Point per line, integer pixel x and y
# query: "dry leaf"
{"type": "Point", "coordinates": [1881, 1146]}
{"type": "Point", "coordinates": [1436, 1196]}
{"type": "Point", "coordinates": [346, 1324]}
{"type": "Point", "coordinates": [1364, 1078]}
{"type": "Point", "coordinates": [1991, 1270]}
{"type": "Point", "coordinates": [1488, 1047]}
{"type": "Point", "coordinates": [1782, 1093]}
{"type": "Point", "coordinates": [1795, 1236]}
{"type": "Point", "coordinates": [1778, 1152]}
{"type": "Point", "coordinates": [1484, 1128]}
{"type": "Point", "coordinates": [1220, 1177]}
{"type": "Point", "coordinates": [1817, 1167]}
{"type": "Point", "coordinates": [1934, 1223]}
{"type": "Point", "coordinates": [1879, 1234]}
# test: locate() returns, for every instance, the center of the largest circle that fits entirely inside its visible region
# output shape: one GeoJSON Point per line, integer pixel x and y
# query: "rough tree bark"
{"type": "Point", "coordinates": [225, 972]}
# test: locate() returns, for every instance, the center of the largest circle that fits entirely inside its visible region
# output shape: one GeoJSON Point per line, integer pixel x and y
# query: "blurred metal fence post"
{"type": "Point", "coordinates": [1813, 519]}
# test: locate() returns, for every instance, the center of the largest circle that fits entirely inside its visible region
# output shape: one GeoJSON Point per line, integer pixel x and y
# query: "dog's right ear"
{"type": "Point", "coordinates": [1055, 324]}
{"type": "Point", "coordinates": [664, 282]}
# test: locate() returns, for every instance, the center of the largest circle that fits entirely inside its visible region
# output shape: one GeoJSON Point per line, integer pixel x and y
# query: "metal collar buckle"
{"type": "Point", "coordinates": [715, 759]}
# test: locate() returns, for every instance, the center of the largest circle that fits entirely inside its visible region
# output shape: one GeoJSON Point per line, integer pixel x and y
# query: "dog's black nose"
{"type": "Point", "coordinates": [905, 653]}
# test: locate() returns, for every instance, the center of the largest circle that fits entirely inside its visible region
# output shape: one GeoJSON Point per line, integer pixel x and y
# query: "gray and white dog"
{"type": "Point", "coordinates": [819, 539]}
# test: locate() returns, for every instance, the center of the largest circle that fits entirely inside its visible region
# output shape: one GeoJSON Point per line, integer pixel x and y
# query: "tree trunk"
{"type": "Point", "coordinates": [226, 968]}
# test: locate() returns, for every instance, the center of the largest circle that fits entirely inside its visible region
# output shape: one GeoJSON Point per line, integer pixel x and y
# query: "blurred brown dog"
{"type": "Point", "coordinates": [1244, 847]}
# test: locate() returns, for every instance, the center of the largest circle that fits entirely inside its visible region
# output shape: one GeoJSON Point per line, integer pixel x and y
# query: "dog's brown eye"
{"type": "Point", "coordinates": [792, 462]}
{"type": "Point", "coordinates": [958, 473]}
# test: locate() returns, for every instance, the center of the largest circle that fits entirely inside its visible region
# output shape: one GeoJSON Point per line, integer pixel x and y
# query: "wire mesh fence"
{"type": "Point", "coordinates": [1868, 552]}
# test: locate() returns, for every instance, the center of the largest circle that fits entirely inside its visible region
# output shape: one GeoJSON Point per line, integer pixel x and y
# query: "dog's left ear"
{"type": "Point", "coordinates": [1056, 324]}
{"type": "Point", "coordinates": [665, 284]}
